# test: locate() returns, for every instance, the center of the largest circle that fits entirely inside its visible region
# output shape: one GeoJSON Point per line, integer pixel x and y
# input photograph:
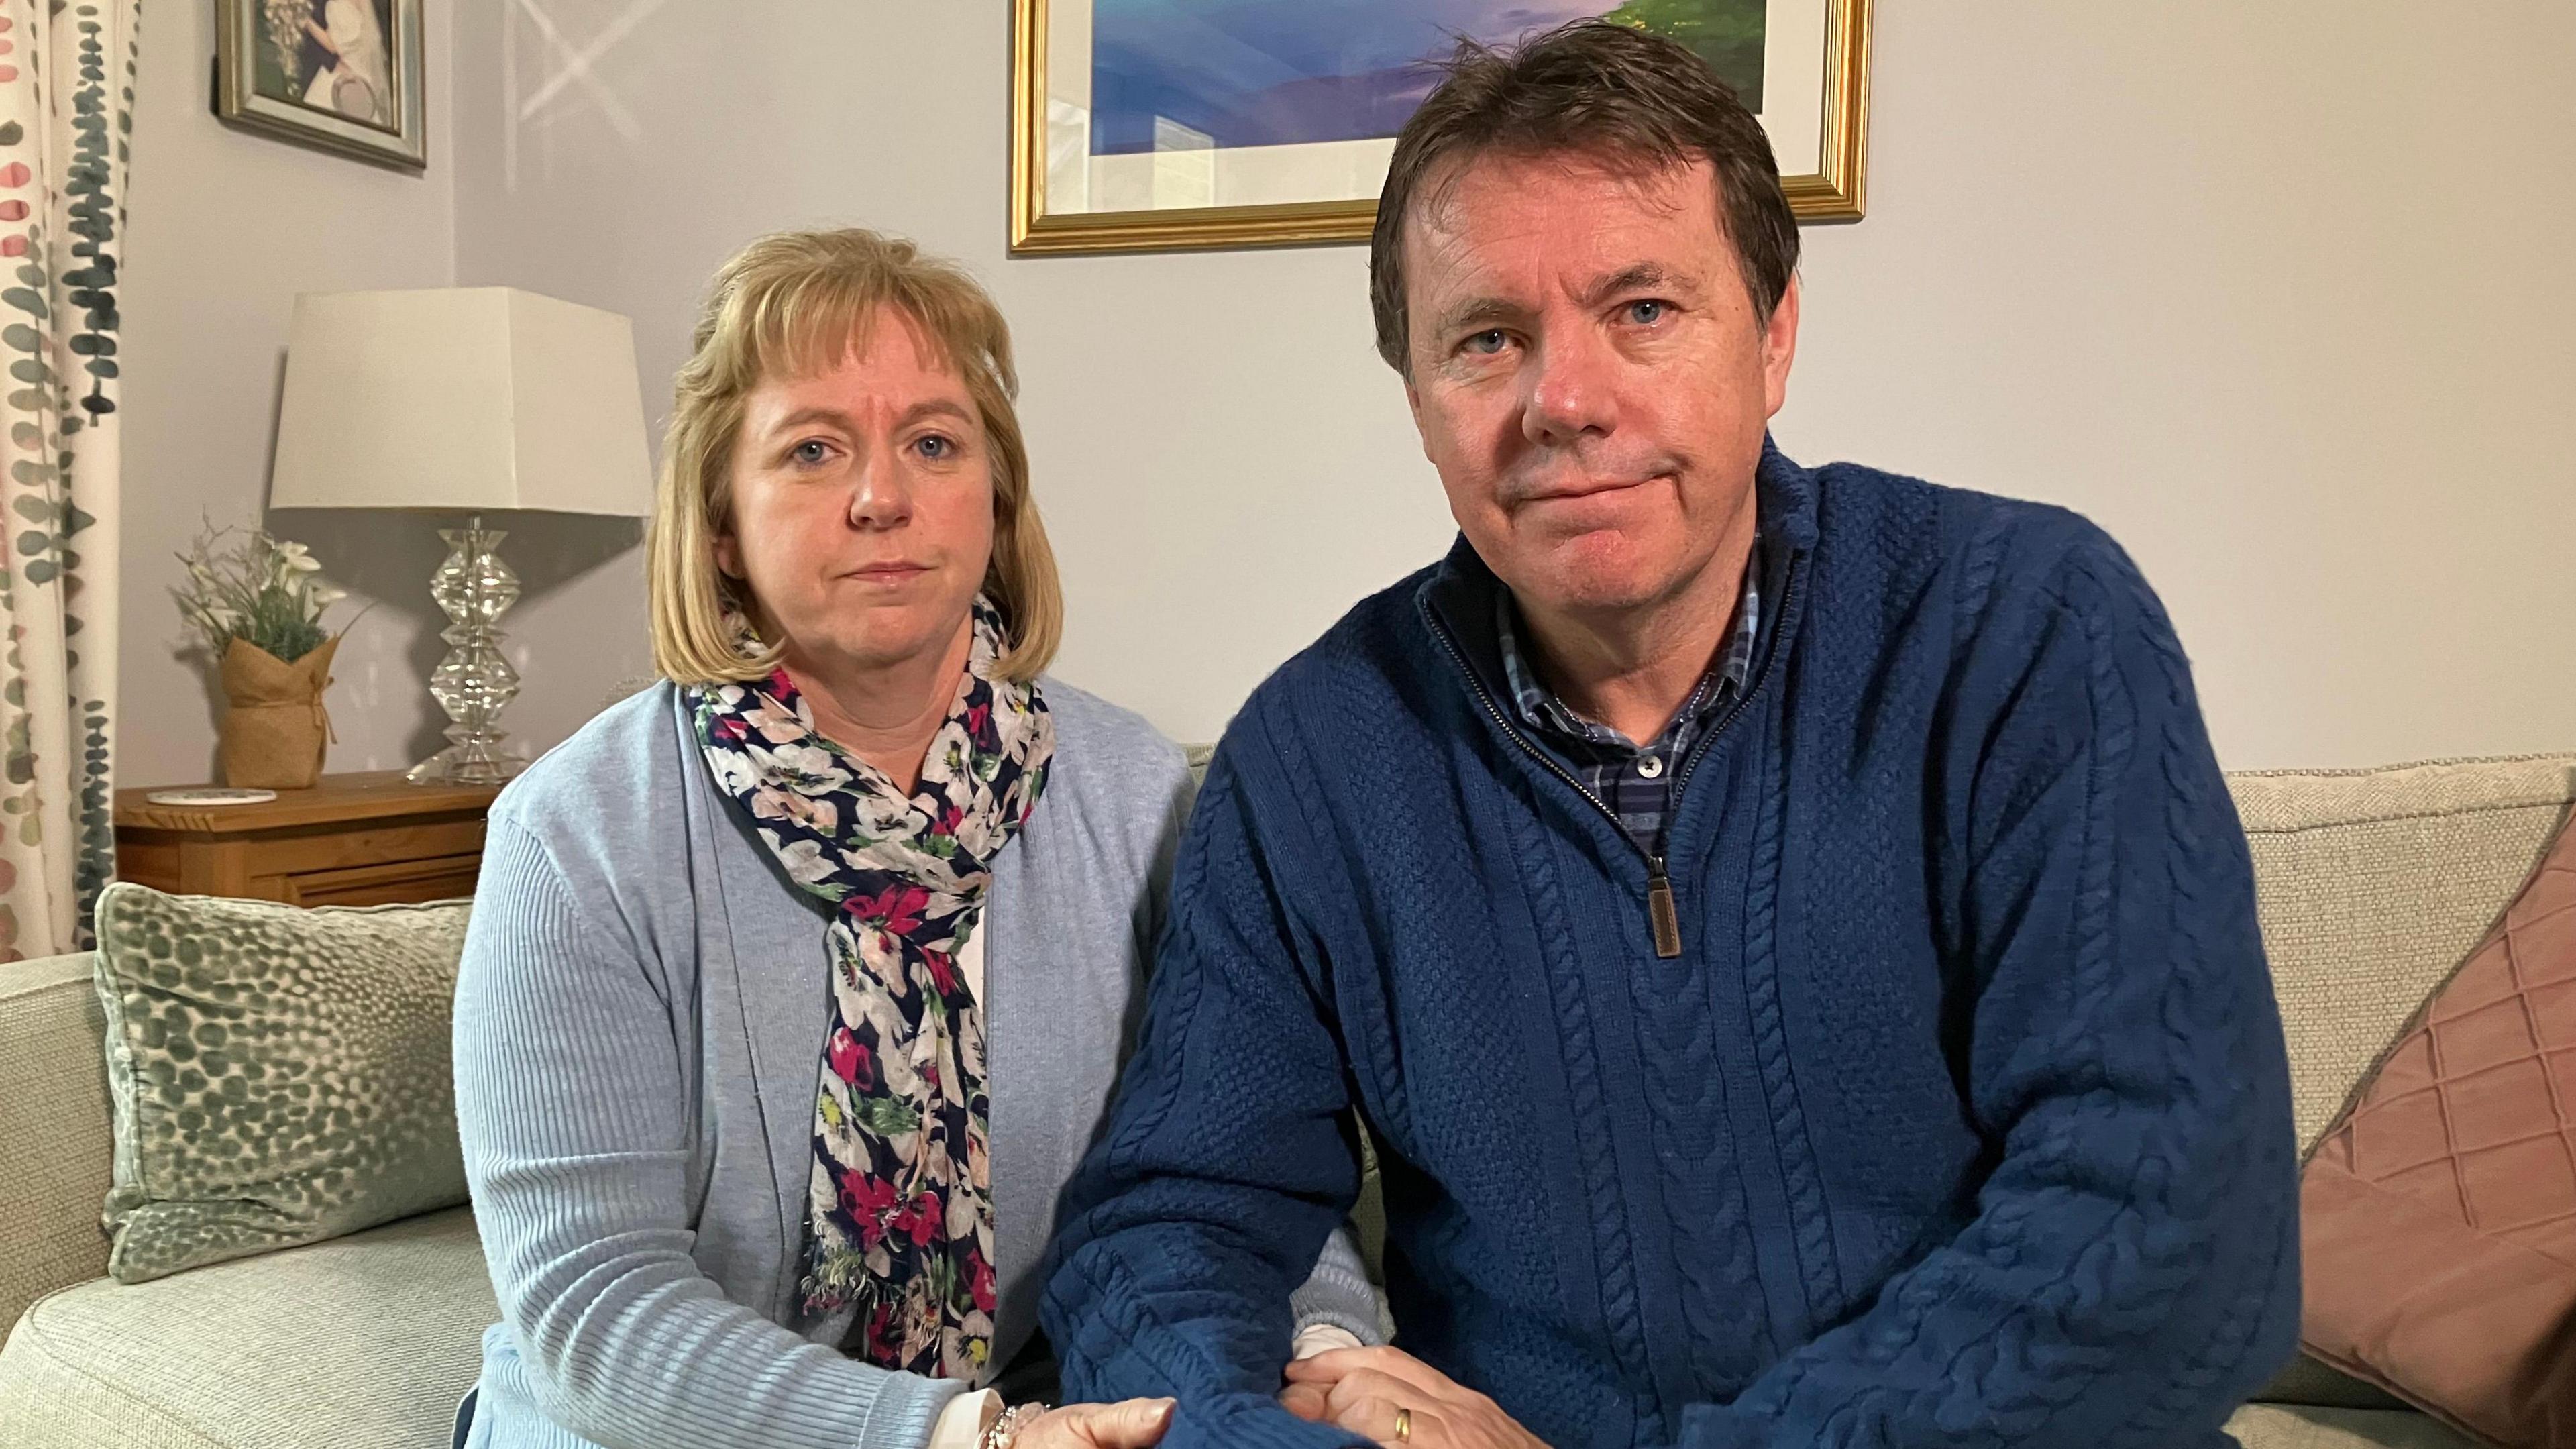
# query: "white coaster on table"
{"type": "Point", "coordinates": [210, 797]}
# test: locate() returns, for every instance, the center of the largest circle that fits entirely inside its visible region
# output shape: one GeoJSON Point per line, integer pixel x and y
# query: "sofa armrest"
{"type": "Point", "coordinates": [57, 1143]}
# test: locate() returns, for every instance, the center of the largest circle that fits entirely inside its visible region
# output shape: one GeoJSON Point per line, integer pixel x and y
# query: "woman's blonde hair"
{"type": "Point", "coordinates": [792, 305]}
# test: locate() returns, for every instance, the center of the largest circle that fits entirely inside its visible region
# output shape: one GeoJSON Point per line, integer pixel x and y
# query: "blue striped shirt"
{"type": "Point", "coordinates": [1635, 782]}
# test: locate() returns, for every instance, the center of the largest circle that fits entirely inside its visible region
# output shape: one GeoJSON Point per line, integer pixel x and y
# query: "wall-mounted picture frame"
{"type": "Point", "coordinates": [343, 75]}
{"type": "Point", "coordinates": [1150, 125]}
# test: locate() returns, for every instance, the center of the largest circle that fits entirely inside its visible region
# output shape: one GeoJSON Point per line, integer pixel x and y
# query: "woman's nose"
{"type": "Point", "coordinates": [880, 496]}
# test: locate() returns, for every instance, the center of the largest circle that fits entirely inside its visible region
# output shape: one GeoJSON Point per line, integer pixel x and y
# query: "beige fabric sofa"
{"type": "Point", "coordinates": [2374, 884]}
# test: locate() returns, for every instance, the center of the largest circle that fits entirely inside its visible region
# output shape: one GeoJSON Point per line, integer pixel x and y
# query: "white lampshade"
{"type": "Point", "coordinates": [462, 398]}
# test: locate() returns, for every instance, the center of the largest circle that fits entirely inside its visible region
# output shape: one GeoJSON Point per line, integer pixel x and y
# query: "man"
{"type": "Point", "coordinates": [1879, 1053]}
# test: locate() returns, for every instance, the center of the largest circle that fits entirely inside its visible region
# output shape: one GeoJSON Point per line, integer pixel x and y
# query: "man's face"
{"type": "Point", "coordinates": [1589, 374]}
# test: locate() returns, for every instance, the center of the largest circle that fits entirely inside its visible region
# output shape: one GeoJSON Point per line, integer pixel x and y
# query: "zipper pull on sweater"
{"type": "Point", "coordinates": [1661, 916]}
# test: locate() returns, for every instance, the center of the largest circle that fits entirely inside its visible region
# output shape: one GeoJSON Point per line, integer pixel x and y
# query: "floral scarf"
{"type": "Point", "coordinates": [899, 1209]}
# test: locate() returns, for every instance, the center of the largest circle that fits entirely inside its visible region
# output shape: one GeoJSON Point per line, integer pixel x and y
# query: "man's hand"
{"type": "Point", "coordinates": [1368, 1390]}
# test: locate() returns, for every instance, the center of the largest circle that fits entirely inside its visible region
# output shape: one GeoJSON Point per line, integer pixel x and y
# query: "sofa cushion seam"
{"type": "Point", "coordinates": [35, 1344]}
{"type": "Point", "coordinates": [2398, 819]}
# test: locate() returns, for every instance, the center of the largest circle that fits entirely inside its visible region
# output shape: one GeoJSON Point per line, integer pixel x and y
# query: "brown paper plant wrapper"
{"type": "Point", "coordinates": [275, 730]}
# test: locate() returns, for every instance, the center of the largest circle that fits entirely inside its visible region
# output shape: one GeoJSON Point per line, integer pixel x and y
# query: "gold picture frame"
{"type": "Point", "coordinates": [381, 112]}
{"type": "Point", "coordinates": [1836, 190]}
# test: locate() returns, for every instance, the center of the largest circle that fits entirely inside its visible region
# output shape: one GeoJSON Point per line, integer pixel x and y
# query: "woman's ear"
{"type": "Point", "coordinates": [729, 556]}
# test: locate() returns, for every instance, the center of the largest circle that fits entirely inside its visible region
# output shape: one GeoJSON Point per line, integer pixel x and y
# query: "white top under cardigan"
{"type": "Point", "coordinates": [639, 1022]}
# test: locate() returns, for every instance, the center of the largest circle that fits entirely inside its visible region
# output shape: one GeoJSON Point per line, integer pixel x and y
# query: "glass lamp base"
{"type": "Point", "coordinates": [468, 764]}
{"type": "Point", "coordinates": [475, 681]}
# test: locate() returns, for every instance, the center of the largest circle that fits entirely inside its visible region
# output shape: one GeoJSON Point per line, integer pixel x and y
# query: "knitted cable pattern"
{"type": "Point", "coordinates": [1613, 1248]}
{"type": "Point", "coordinates": [1702, 1190]}
{"type": "Point", "coordinates": [2015, 1381]}
{"type": "Point", "coordinates": [1808, 1209]}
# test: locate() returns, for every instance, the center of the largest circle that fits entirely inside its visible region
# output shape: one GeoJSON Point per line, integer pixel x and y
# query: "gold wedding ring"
{"type": "Point", "coordinates": [1403, 1425]}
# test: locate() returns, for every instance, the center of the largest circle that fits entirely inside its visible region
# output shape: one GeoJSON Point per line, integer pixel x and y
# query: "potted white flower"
{"type": "Point", "coordinates": [257, 603]}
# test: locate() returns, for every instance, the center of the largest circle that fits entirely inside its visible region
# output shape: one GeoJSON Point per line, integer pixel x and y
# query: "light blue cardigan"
{"type": "Point", "coordinates": [639, 1021]}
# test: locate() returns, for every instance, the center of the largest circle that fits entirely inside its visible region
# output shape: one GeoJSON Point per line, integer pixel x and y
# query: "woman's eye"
{"type": "Point", "coordinates": [810, 452]}
{"type": "Point", "coordinates": [934, 447]}
{"type": "Point", "coordinates": [1487, 343]}
{"type": "Point", "coordinates": [1647, 314]}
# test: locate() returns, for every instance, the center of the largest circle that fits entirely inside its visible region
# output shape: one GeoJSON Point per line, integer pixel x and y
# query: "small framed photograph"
{"type": "Point", "coordinates": [344, 75]}
{"type": "Point", "coordinates": [1141, 125]}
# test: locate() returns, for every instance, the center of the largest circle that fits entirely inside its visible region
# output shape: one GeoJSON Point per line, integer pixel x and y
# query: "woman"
{"type": "Point", "coordinates": [355, 82]}
{"type": "Point", "coordinates": [796, 985]}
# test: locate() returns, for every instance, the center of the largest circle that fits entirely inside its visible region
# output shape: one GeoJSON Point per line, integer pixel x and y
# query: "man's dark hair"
{"type": "Point", "coordinates": [1591, 87]}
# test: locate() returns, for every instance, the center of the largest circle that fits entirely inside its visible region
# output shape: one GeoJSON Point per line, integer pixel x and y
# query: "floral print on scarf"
{"type": "Point", "coordinates": [899, 1210]}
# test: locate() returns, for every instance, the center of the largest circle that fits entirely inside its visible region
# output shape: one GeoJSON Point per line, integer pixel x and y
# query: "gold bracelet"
{"type": "Point", "coordinates": [1000, 1433]}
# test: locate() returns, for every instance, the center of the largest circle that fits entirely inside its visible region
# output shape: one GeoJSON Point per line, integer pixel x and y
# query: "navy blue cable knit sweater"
{"type": "Point", "coordinates": [1959, 1118]}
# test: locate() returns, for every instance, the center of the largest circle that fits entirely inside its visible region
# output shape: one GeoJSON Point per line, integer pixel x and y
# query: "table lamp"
{"type": "Point", "coordinates": [467, 400]}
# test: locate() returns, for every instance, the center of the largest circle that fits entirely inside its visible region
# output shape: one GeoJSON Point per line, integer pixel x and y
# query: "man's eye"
{"type": "Point", "coordinates": [1647, 314]}
{"type": "Point", "coordinates": [1487, 343]}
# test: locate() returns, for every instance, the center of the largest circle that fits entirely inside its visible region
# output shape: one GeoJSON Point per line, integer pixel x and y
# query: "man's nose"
{"type": "Point", "coordinates": [880, 494]}
{"type": "Point", "coordinates": [1570, 389]}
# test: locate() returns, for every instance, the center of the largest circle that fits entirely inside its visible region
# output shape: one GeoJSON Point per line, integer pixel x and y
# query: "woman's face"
{"type": "Point", "coordinates": [862, 512]}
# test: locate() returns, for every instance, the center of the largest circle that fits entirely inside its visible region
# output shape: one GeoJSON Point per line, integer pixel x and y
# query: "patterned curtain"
{"type": "Point", "coordinates": [66, 109]}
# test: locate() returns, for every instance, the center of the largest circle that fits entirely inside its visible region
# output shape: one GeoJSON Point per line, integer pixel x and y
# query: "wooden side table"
{"type": "Point", "coordinates": [352, 840]}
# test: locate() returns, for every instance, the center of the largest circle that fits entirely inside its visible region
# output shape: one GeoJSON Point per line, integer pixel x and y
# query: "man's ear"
{"type": "Point", "coordinates": [1779, 349]}
{"type": "Point", "coordinates": [1413, 401]}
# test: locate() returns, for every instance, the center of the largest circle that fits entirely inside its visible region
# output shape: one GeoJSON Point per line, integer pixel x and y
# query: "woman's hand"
{"type": "Point", "coordinates": [1398, 1400]}
{"type": "Point", "coordinates": [1135, 1424]}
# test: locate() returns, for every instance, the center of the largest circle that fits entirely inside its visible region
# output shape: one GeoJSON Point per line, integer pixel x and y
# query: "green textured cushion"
{"type": "Point", "coordinates": [279, 1075]}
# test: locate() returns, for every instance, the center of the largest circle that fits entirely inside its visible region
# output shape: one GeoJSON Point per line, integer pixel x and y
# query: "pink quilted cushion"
{"type": "Point", "coordinates": [2439, 1215]}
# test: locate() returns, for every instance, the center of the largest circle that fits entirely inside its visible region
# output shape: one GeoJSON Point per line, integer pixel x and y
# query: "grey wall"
{"type": "Point", "coordinates": [2279, 294]}
{"type": "Point", "coordinates": [2284, 295]}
